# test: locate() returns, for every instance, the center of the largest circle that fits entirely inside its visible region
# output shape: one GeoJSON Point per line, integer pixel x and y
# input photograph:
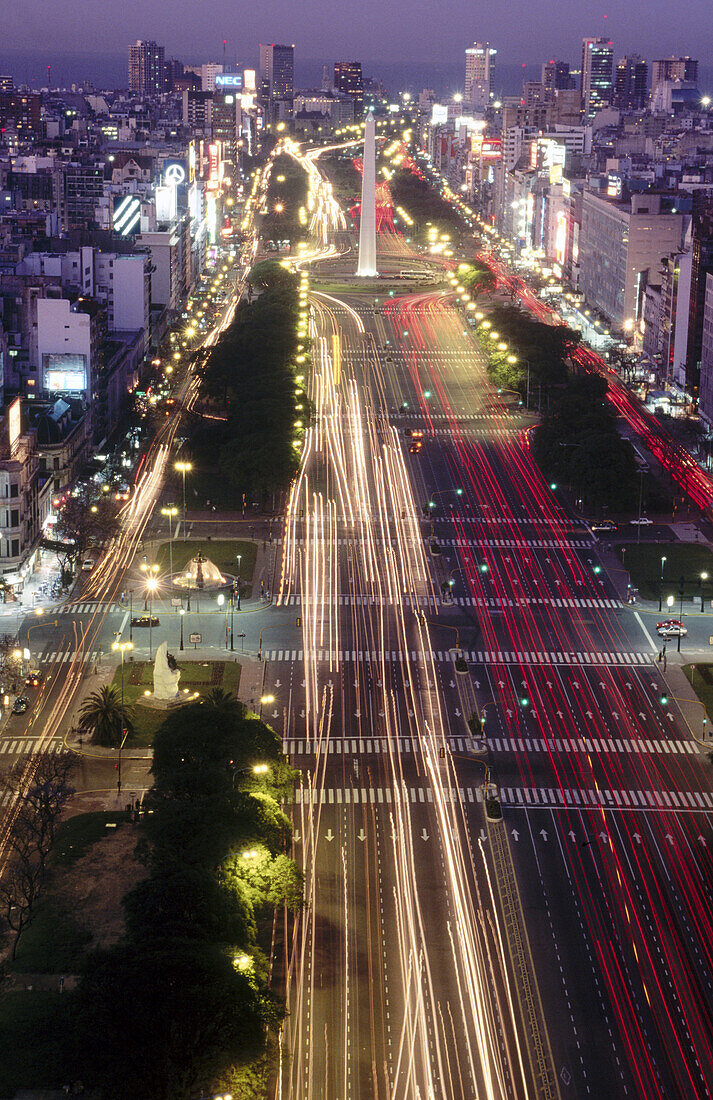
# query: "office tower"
{"type": "Point", "coordinates": [630, 83]}
{"type": "Point", "coordinates": [348, 80]}
{"type": "Point", "coordinates": [597, 65]}
{"type": "Point", "coordinates": [367, 219]}
{"type": "Point", "coordinates": [172, 71]}
{"type": "Point", "coordinates": [147, 74]}
{"type": "Point", "coordinates": [7, 85]}
{"type": "Point", "coordinates": [556, 76]}
{"type": "Point", "coordinates": [277, 73]}
{"type": "Point", "coordinates": [673, 68]}
{"type": "Point", "coordinates": [479, 76]}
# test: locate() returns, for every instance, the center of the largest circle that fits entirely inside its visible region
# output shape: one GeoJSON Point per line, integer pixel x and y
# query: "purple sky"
{"type": "Point", "coordinates": [385, 30]}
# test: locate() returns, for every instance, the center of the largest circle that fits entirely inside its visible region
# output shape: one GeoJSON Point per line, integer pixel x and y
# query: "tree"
{"type": "Point", "coordinates": [85, 519]}
{"type": "Point", "coordinates": [103, 716]}
{"type": "Point", "coordinates": [172, 1015]}
{"type": "Point", "coordinates": [37, 808]}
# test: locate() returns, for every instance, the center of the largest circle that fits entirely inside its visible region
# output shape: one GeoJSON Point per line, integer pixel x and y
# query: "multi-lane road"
{"type": "Point", "coordinates": [565, 950]}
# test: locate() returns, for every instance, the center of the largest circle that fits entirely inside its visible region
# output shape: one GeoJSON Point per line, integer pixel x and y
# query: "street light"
{"type": "Point", "coordinates": [704, 578]}
{"type": "Point", "coordinates": [151, 586]}
{"type": "Point", "coordinates": [663, 562]}
{"type": "Point", "coordinates": [171, 511]}
{"type": "Point", "coordinates": [181, 613]}
{"type": "Point", "coordinates": [122, 647]}
{"type": "Point", "coordinates": [184, 468]}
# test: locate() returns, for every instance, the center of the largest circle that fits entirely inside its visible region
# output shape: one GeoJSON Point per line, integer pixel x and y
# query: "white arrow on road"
{"type": "Point", "coordinates": [424, 835]}
{"type": "Point", "coordinates": [302, 683]}
{"type": "Point", "coordinates": [330, 835]}
{"type": "Point", "coordinates": [501, 683]}
{"type": "Point", "coordinates": [361, 835]}
{"type": "Point", "coordinates": [381, 714]}
{"type": "Point", "coordinates": [514, 834]}
{"type": "Point", "coordinates": [702, 840]}
{"type": "Point", "coordinates": [543, 834]}
{"type": "Point", "coordinates": [457, 713]}
{"type": "Point", "coordinates": [509, 713]}
{"type": "Point", "coordinates": [477, 683]}
{"type": "Point", "coordinates": [275, 713]}
{"type": "Point", "coordinates": [357, 714]}
{"type": "Point", "coordinates": [589, 714]}
{"type": "Point", "coordinates": [296, 837]}
{"type": "Point", "coordinates": [482, 834]}
{"type": "Point", "coordinates": [614, 714]}
{"type": "Point", "coordinates": [278, 683]}
{"type": "Point", "coordinates": [575, 683]}
{"type": "Point", "coordinates": [603, 836]}
{"type": "Point", "coordinates": [550, 684]}
{"type": "Point", "coordinates": [637, 837]}
{"type": "Point", "coordinates": [559, 714]}
{"type": "Point", "coordinates": [452, 684]}
{"type": "Point", "coordinates": [572, 837]}
{"type": "Point", "coordinates": [669, 838]}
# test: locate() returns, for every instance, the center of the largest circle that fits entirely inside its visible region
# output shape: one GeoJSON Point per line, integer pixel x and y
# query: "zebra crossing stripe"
{"type": "Point", "coordinates": [596, 745]}
{"type": "Point", "coordinates": [27, 745]}
{"type": "Point", "coordinates": [347, 600]}
{"type": "Point", "coordinates": [514, 798]}
{"type": "Point", "coordinates": [565, 544]}
{"type": "Point", "coordinates": [474, 657]}
{"type": "Point", "coordinates": [87, 607]}
{"type": "Point", "coordinates": [366, 745]}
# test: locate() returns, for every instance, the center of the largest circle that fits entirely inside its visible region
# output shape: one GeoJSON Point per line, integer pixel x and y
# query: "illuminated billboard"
{"type": "Point", "coordinates": [233, 81]}
{"type": "Point", "coordinates": [64, 372]}
{"type": "Point", "coordinates": [250, 80]}
{"type": "Point", "coordinates": [174, 172]}
{"type": "Point", "coordinates": [14, 422]}
{"type": "Point", "coordinates": [127, 215]}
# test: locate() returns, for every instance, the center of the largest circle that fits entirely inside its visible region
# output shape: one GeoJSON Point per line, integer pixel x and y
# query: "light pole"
{"type": "Point", "coordinates": [184, 468]}
{"type": "Point", "coordinates": [663, 562]}
{"type": "Point", "coordinates": [240, 558]}
{"type": "Point", "coordinates": [151, 586]}
{"type": "Point", "coordinates": [149, 572]}
{"type": "Point", "coordinates": [181, 613]}
{"type": "Point", "coordinates": [122, 647]}
{"type": "Point", "coordinates": [171, 511]}
{"type": "Point", "coordinates": [704, 578]}
{"type": "Point", "coordinates": [221, 601]}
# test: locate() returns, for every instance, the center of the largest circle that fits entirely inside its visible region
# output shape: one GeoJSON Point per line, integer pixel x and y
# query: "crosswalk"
{"type": "Point", "coordinates": [461, 544]}
{"type": "Point", "coordinates": [367, 746]}
{"type": "Point", "coordinates": [486, 602]}
{"type": "Point", "coordinates": [473, 657]}
{"type": "Point", "coordinates": [57, 657]}
{"type": "Point", "coordinates": [514, 797]}
{"type": "Point", "coordinates": [87, 607]}
{"type": "Point", "coordinates": [25, 746]}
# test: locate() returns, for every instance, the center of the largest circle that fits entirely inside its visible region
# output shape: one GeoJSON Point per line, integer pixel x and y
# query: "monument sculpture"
{"type": "Point", "coordinates": [166, 674]}
{"type": "Point", "coordinates": [367, 219]}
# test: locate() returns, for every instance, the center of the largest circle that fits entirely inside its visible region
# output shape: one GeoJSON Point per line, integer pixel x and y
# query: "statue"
{"type": "Point", "coordinates": [166, 674]}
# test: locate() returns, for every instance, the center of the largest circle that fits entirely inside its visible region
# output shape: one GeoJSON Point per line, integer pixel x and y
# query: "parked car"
{"type": "Point", "coordinates": [34, 677]}
{"type": "Point", "coordinates": [145, 620]}
{"type": "Point", "coordinates": [21, 705]}
{"type": "Point", "coordinates": [643, 521]}
{"type": "Point", "coordinates": [671, 628]}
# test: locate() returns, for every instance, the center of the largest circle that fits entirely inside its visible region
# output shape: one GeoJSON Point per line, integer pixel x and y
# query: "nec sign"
{"type": "Point", "coordinates": [229, 80]}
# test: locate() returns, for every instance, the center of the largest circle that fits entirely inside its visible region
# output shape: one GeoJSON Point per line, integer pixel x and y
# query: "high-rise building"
{"type": "Point", "coordinates": [673, 68]}
{"type": "Point", "coordinates": [597, 66]}
{"type": "Point", "coordinates": [556, 76]}
{"type": "Point", "coordinates": [172, 72]}
{"type": "Point", "coordinates": [277, 73]}
{"type": "Point", "coordinates": [147, 72]}
{"type": "Point", "coordinates": [7, 84]}
{"type": "Point", "coordinates": [349, 81]}
{"type": "Point", "coordinates": [479, 76]}
{"type": "Point", "coordinates": [630, 83]}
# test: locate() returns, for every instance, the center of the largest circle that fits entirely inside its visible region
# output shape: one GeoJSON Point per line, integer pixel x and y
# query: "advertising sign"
{"type": "Point", "coordinates": [65, 373]}
{"type": "Point", "coordinates": [234, 81]}
{"type": "Point", "coordinates": [127, 215]}
{"type": "Point", "coordinates": [250, 80]}
{"type": "Point", "coordinates": [174, 172]}
{"type": "Point", "coordinates": [14, 422]}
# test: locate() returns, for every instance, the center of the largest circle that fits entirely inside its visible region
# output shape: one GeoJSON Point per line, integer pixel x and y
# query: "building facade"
{"type": "Point", "coordinates": [596, 80]}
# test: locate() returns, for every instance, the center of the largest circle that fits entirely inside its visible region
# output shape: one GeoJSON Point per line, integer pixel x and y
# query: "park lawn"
{"type": "Point", "coordinates": [683, 559]}
{"type": "Point", "coordinates": [201, 676]}
{"type": "Point", "coordinates": [53, 943]}
{"type": "Point", "coordinates": [222, 552]}
{"type": "Point", "coordinates": [76, 835]}
{"type": "Point", "coordinates": [700, 677]}
{"type": "Point", "coordinates": [31, 1027]}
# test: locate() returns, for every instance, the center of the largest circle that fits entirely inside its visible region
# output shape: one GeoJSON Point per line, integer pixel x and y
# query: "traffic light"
{"type": "Point", "coordinates": [664, 700]}
{"type": "Point", "coordinates": [524, 702]}
{"type": "Point", "coordinates": [484, 567]}
{"type": "Point", "coordinates": [553, 485]}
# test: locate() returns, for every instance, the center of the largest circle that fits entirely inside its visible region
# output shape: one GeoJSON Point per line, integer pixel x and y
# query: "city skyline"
{"type": "Point", "coordinates": [644, 28]}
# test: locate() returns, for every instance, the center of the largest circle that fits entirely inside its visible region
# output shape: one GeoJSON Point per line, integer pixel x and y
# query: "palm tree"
{"type": "Point", "coordinates": [103, 716]}
{"type": "Point", "coordinates": [223, 700]}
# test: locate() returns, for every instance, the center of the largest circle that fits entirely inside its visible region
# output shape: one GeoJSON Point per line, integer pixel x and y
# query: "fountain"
{"type": "Point", "coordinates": [200, 573]}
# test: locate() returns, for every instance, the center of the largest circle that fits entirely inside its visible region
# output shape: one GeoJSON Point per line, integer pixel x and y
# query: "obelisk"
{"type": "Point", "coordinates": [367, 221]}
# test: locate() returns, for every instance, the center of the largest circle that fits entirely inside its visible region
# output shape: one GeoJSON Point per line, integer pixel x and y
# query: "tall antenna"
{"type": "Point", "coordinates": [224, 44]}
{"type": "Point", "coordinates": [49, 77]}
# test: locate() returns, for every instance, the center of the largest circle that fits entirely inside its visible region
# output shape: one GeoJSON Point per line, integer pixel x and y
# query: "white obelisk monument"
{"type": "Point", "coordinates": [367, 222]}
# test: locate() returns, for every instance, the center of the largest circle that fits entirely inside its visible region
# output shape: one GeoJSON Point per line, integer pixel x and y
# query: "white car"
{"type": "Point", "coordinates": [643, 521]}
{"type": "Point", "coordinates": [672, 630]}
